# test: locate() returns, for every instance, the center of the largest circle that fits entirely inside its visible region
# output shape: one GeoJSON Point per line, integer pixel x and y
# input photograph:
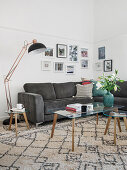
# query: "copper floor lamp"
{"type": "Point", "coordinates": [35, 47]}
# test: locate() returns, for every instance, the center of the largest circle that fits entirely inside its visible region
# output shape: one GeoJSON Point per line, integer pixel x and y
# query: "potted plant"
{"type": "Point", "coordinates": [109, 83]}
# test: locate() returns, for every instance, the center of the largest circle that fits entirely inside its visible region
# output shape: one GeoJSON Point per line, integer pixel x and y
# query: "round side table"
{"type": "Point", "coordinates": [15, 113]}
{"type": "Point", "coordinates": [116, 117]}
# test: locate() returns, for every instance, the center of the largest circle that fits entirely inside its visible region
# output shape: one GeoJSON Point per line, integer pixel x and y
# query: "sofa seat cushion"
{"type": "Point", "coordinates": [120, 101]}
{"type": "Point", "coordinates": [98, 99]}
{"type": "Point", "coordinates": [64, 90]}
{"type": "Point", "coordinates": [46, 90]}
{"type": "Point", "coordinates": [50, 106]}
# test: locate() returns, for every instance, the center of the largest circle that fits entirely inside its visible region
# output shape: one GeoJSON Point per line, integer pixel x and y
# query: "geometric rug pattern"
{"type": "Point", "coordinates": [34, 149]}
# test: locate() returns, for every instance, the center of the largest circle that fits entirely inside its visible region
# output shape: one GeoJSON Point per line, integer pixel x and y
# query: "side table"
{"type": "Point", "coordinates": [116, 117]}
{"type": "Point", "coordinates": [15, 113]}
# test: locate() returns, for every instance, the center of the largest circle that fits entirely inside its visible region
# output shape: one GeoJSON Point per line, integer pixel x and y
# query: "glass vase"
{"type": "Point", "coordinates": [108, 99]}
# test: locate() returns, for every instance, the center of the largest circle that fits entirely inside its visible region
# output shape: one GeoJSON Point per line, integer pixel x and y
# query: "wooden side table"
{"type": "Point", "coordinates": [15, 113]}
{"type": "Point", "coordinates": [116, 117]}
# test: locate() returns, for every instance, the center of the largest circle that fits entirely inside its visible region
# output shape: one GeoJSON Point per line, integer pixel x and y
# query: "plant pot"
{"type": "Point", "coordinates": [108, 100]}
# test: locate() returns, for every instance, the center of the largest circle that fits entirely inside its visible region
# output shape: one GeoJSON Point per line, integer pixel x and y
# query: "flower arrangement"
{"type": "Point", "coordinates": [109, 83]}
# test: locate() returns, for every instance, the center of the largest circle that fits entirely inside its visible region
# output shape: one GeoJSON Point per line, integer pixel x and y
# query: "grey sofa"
{"type": "Point", "coordinates": [42, 99]}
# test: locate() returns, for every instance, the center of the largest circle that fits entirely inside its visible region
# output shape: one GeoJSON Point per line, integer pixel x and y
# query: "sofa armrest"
{"type": "Point", "coordinates": [34, 106]}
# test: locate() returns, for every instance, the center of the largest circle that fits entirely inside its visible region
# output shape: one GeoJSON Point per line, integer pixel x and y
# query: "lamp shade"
{"type": "Point", "coordinates": [37, 48]}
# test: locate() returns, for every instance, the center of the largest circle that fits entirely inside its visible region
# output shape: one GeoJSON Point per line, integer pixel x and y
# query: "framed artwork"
{"type": "Point", "coordinates": [107, 65]}
{"type": "Point", "coordinates": [58, 67]}
{"type": "Point", "coordinates": [70, 69]}
{"type": "Point", "coordinates": [46, 65]}
{"type": "Point", "coordinates": [84, 63]}
{"type": "Point", "coordinates": [101, 53]}
{"type": "Point", "coordinates": [84, 52]}
{"type": "Point", "coordinates": [98, 66]}
{"type": "Point", "coordinates": [49, 52]}
{"type": "Point", "coordinates": [73, 53]}
{"type": "Point", "coordinates": [61, 50]}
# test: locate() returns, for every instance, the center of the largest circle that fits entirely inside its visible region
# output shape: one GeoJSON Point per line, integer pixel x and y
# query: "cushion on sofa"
{"type": "Point", "coordinates": [64, 90]}
{"type": "Point", "coordinates": [44, 89]}
{"type": "Point", "coordinates": [98, 92]}
{"type": "Point", "coordinates": [123, 90]}
{"type": "Point", "coordinates": [84, 90]}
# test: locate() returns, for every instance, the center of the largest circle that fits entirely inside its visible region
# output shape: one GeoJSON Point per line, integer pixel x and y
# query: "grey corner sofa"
{"type": "Point", "coordinates": [42, 99]}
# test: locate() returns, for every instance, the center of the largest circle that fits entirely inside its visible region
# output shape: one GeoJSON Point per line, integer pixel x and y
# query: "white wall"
{"type": "Point", "coordinates": [50, 22]}
{"type": "Point", "coordinates": [110, 30]}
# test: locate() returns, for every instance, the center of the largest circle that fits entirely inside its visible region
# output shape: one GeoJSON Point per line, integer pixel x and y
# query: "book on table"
{"type": "Point", "coordinates": [74, 107]}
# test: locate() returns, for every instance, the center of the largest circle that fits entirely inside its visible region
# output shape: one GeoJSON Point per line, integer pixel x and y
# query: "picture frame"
{"type": "Point", "coordinates": [61, 50]}
{"type": "Point", "coordinates": [99, 66]}
{"type": "Point", "coordinates": [73, 53]}
{"type": "Point", "coordinates": [84, 52]}
{"type": "Point", "coordinates": [107, 65]}
{"type": "Point", "coordinates": [70, 69]}
{"type": "Point", "coordinates": [84, 63]}
{"type": "Point", "coordinates": [46, 65]}
{"type": "Point", "coordinates": [59, 67]}
{"type": "Point", "coordinates": [49, 52]}
{"type": "Point", "coordinates": [101, 53]}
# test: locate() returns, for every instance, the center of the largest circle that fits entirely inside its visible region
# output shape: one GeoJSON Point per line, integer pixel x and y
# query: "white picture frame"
{"type": "Point", "coordinates": [84, 52]}
{"type": "Point", "coordinates": [99, 66]}
{"type": "Point", "coordinates": [46, 65]}
{"type": "Point", "coordinates": [84, 64]}
{"type": "Point", "coordinates": [58, 67]}
{"type": "Point", "coordinates": [70, 69]}
{"type": "Point", "coordinates": [49, 52]}
{"type": "Point", "coordinates": [73, 53]}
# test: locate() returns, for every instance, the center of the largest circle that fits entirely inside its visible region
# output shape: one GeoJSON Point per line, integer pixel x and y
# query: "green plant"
{"type": "Point", "coordinates": [109, 83]}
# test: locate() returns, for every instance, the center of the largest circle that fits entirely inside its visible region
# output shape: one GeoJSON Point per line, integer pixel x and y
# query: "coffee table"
{"type": "Point", "coordinates": [97, 108]}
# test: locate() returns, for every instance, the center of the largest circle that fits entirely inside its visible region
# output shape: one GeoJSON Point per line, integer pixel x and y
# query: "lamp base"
{"type": "Point", "coordinates": [7, 121]}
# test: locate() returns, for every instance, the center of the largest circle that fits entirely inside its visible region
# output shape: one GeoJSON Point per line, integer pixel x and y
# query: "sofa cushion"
{"type": "Point", "coordinates": [46, 90]}
{"type": "Point", "coordinates": [120, 101]}
{"type": "Point", "coordinates": [123, 90]}
{"type": "Point", "coordinates": [64, 90]}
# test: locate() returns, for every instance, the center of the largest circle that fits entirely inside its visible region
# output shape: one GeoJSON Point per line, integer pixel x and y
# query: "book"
{"type": "Point", "coordinates": [74, 107]}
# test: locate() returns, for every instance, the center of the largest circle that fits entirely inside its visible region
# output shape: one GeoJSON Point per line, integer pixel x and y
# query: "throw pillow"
{"type": "Point", "coordinates": [98, 92]}
{"type": "Point", "coordinates": [84, 90]}
{"type": "Point", "coordinates": [86, 82]}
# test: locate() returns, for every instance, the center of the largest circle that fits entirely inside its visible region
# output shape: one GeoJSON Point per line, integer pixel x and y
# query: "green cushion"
{"type": "Point", "coordinates": [97, 92]}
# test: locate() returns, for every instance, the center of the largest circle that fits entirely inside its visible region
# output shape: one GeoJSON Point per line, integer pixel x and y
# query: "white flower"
{"type": "Point", "coordinates": [98, 85]}
{"type": "Point", "coordinates": [115, 88]}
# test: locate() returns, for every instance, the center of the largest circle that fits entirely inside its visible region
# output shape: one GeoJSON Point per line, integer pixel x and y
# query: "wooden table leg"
{"type": "Point", "coordinates": [97, 119]}
{"type": "Point", "coordinates": [107, 126]}
{"type": "Point", "coordinates": [54, 123]}
{"type": "Point", "coordinates": [25, 117]}
{"type": "Point", "coordinates": [125, 122]}
{"type": "Point", "coordinates": [118, 120]}
{"type": "Point", "coordinates": [16, 123]}
{"type": "Point", "coordinates": [115, 130]}
{"type": "Point", "coordinates": [73, 125]}
{"type": "Point", "coordinates": [11, 117]}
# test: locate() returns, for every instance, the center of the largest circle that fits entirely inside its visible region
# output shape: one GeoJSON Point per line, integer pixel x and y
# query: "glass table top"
{"type": "Point", "coordinates": [116, 114]}
{"type": "Point", "coordinates": [97, 108]}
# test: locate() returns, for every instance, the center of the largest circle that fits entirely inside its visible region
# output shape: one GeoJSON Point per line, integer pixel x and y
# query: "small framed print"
{"type": "Point", "coordinates": [73, 53]}
{"type": "Point", "coordinates": [70, 69]}
{"type": "Point", "coordinates": [107, 65]}
{"type": "Point", "coordinates": [84, 52]}
{"type": "Point", "coordinates": [58, 67]}
{"type": "Point", "coordinates": [101, 53]}
{"type": "Point", "coordinates": [49, 52]}
{"type": "Point", "coordinates": [84, 63]}
{"type": "Point", "coordinates": [45, 65]}
{"type": "Point", "coordinates": [99, 66]}
{"type": "Point", "coordinates": [61, 50]}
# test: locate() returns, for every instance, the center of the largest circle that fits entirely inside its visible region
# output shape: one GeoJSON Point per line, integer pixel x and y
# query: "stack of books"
{"type": "Point", "coordinates": [74, 107]}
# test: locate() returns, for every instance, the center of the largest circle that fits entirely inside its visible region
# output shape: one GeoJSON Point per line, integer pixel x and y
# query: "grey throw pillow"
{"type": "Point", "coordinates": [84, 90]}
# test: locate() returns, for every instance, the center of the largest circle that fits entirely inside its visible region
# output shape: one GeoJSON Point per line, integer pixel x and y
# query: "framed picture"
{"type": "Point", "coordinates": [107, 65]}
{"type": "Point", "coordinates": [58, 67]}
{"type": "Point", "coordinates": [73, 53]}
{"type": "Point", "coordinates": [70, 69]}
{"type": "Point", "coordinates": [61, 50]}
{"type": "Point", "coordinates": [49, 52]}
{"type": "Point", "coordinates": [84, 52]}
{"type": "Point", "coordinates": [99, 66]}
{"type": "Point", "coordinates": [101, 53]}
{"type": "Point", "coordinates": [46, 65]}
{"type": "Point", "coordinates": [84, 63]}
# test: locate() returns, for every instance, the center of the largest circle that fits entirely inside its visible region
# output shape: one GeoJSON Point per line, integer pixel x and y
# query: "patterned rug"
{"type": "Point", "coordinates": [34, 149]}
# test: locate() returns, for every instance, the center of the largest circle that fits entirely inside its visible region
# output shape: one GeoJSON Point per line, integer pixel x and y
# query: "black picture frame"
{"type": "Point", "coordinates": [101, 53]}
{"type": "Point", "coordinates": [61, 50]}
{"type": "Point", "coordinates": [107, 65]}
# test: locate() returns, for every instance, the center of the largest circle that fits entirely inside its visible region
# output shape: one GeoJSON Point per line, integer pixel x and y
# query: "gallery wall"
{"type": "Point", "coordinates": [110, 31]}
{"type": "Point", "coordinates": [51, 23]}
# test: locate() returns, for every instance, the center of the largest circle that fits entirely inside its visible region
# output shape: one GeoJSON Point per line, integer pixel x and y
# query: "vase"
{"type": "Point", "coordinates": [108, 99]}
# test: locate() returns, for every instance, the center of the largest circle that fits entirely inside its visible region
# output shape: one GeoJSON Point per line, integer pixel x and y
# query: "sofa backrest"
{"type": "Point", "coordinates": [46, 90]}
{"type": "Point", "coordinates": [123, 90]}
{"type": "Point", "coordinates": [64, 90]}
